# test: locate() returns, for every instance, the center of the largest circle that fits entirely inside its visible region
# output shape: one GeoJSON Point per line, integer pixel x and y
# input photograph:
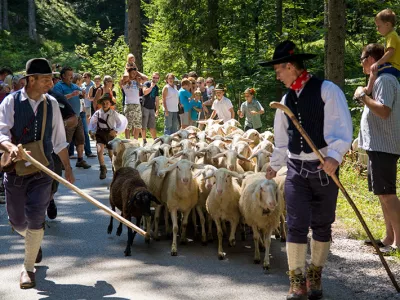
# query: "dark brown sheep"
{"type": "Point", "coordinates": [128, 192]}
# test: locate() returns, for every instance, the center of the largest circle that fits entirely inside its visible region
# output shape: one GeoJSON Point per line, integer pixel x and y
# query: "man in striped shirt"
{"type": "Point", "coordinates": [380, 137]}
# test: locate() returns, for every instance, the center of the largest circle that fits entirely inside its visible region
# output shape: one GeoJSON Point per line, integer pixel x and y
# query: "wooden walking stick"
{"type": "Point", "coordinates": [290, 114]}
{"type": "Point", "coordinates": [81, 193]}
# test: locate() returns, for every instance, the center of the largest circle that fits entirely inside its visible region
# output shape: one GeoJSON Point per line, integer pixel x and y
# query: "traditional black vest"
{"type": "Point", "coordinates": [309, 111]}
{"type": "Point", "coordinates": [28, 127]}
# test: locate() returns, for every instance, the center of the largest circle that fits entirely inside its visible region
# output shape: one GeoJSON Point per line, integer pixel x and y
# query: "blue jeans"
{"type": "Point", "coordinates": [88, 150]}
{"type": "Point", "coordinates": [171, 123]}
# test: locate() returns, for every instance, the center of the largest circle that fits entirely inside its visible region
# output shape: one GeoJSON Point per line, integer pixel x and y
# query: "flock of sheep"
{"type": "Point", "coordinates": [217, 173]}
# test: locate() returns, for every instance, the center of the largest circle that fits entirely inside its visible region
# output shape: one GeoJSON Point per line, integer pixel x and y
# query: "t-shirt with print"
{"type": "Point", "coordinates": [253, 121]}
{"type": "Point", "coordinates": [131, 92]}
{"type": "Point", "coordinates": [222, 108]}
{"type": "Point", "coordinates": [149, 100]}
{"type": "Point", "coordinates": [393, 41]}
{"type": "Point", "coordinates": [184, 97]}
{"type": "Point", "coordinates": [194, 113]}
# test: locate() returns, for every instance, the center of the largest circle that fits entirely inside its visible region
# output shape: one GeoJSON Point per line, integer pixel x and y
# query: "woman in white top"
{"type": "Point", "coordinates": [170, 98]}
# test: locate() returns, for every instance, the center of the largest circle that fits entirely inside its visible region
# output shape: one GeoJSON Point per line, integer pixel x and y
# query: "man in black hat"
{"type": "Point", "coordinates": [22, 116]}
{"type": "Point", "coordinates": [321, 108]}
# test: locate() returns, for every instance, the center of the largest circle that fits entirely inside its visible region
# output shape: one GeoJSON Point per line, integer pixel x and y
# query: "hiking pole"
{"type": "Point", "coordinates": [290, 114]}
{"type": "Point", "coordinates": [27, 157]}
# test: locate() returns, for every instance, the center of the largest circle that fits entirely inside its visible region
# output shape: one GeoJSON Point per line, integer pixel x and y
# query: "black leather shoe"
{"type": "Point", "coordinates": [52, 210]}
{"type": "Point", "coordinates": [39, 256]}
{"type": "Point", "coordinates": [27, 280]}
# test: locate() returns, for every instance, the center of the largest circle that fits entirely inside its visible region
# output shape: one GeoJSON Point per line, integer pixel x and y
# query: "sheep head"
{"type": "Point", "coordinates": [266, 195]}
{"type": "Point", "coordinates": [262, 157]}
{"type": "Point", "coordinates": [142, 202]}
{"type": "Point", "coordinates": [223, 179]}
{"type": "Point", "coordinates": [184, 170]}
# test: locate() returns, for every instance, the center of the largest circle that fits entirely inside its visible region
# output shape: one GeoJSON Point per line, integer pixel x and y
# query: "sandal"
{"type": "Point", "coordinates": [378, 242]}
{"type": "Point", "coordinates": [389, 251]}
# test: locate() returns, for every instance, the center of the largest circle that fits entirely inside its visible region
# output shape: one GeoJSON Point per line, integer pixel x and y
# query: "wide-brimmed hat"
{"type": "Point", "coordinates": [286, 52]}
{"type": "Point", "coordinates": [197, 91]}
{"type": "Point", "coordinates": [220, 87]}
{"type": "Point", "coordinates": [38, 66]}
{"type": "Point", "coordinates": [105, 97]}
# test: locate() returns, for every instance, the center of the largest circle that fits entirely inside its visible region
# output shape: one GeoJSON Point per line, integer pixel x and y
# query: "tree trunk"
{"type": "Point", "coordinates": [32, 20]}
{"type": "Point", "coordinates": [326, 25]}
{"type": "Point", "coordinates": [278, 33]}
{"type": "Point", "coordinates": [335, 45]}
{"type": "Point", "coordinates": [135, 32]}
{"type": "Point", "coordinates": [257, 13]}
{"type": "Point", "coordinates": [6, 24]}
{"type": "Point", "coordinates": [213, 34]}
{"type": "Point", "coordinates": [1, 15]}
{"type": "Point", "coordinates": [126, 35]}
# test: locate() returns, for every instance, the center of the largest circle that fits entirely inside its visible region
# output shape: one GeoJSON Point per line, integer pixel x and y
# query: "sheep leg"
{"type": "Point", "coordinates": [209, 233]}
{"type": "Point", "coordinates": [174, 217]}
{"type": "Point", "coordinates": [267, 245]}
{"type": "Point", "coordinates": [156, 221]}
{"type": "Point", "coordinates": [243, 233]}
{"type": "Point", "coordinates": [224, 230]}
{"type": "Point", "coordinates": [221, 254]}
{"type": "Point", "coordinates": [183, 238]}
{"type": "Point", "coordinates": [194, 221]}
{"type": "Point", "coordinates": [199, 210]}
{"type": "Point", "coordinates": [282, 228]}
{"type": "Point", "coordinates": [232, 240]}
{"type": "Point", "coordinates": [110, 226]}
{"type": "Point", "coordinates": [130, 240]}
{"type": "Point", "coordinates": [166, 219]}
{"type": "Point", "coordinates": [148, 226]}
{"type": "Point", "coordinates": [256, 238]}
{"type": "Point", "coordinates": [119, 229]}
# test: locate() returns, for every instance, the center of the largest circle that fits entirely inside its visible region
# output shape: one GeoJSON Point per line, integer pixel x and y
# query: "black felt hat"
{"type": "Point", "coordinates": [105, 97]}
{"type": "Point", "coordinates": [38, 66]}
{"type": "Point", "coordinates": [286, 52]}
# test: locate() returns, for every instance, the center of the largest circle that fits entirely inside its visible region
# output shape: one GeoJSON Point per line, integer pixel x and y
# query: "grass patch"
{"type": "Point", "coordinates": [367, 203]}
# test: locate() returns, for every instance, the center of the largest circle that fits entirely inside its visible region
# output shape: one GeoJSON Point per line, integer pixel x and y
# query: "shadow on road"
{"type": "Point", "coordinates": [54, 291]}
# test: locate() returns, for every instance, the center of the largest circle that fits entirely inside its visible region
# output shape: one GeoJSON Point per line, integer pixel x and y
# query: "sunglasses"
{"type": "Point", "coordinates": [84, 76]}
{"type": "Point", "coordinates": [156, 77]}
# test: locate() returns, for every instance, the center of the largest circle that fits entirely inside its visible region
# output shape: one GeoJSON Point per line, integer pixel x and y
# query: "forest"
{"type": "Point", "coordinates": [224, 39]}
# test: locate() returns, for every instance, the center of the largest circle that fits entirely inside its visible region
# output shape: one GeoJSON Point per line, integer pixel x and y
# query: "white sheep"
{"type": "Point", "coordinates": [119, 147]}
{"type": "Point", "coordinates": [262, 157]}
{"type": "Point", "coordinates": [267, 135]}
{"type": "Point", "coordinates": [253, 135]}
{"type": "Point", "coordinates": [223, 204]}
{"type": "Point", "coordinates": [362, 157]}
{"type": "Point", "coordinates": [180, 192]}
{"type": "Point", "coordinates": [260, 205]}
{"type": "Point", "coordinates": [230, 160]}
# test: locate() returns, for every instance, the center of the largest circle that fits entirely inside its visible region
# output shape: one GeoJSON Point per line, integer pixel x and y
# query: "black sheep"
{"type": "Point", "coordinates": [128, 192]}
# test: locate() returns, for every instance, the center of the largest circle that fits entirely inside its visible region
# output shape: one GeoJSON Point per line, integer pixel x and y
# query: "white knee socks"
{"type": "Point", "coordinates": [296, 254]}
{"type": "Point", "coordinates": [319, 252]}
{"type": "Point", "coordinates": [33, 240]}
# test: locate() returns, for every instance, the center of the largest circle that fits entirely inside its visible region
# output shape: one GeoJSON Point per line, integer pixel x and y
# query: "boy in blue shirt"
{"type": "Point", "coordinates": [184, 98]}
{"type": "Point", "coordinates": [196, 107]}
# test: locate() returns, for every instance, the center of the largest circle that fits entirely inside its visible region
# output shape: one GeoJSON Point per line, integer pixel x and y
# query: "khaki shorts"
{"type": "Point", "coordinates": [185, 120]}
{"type": "Point", "coordinates": [133, 113]}
{"type": "Point", "coordinates": [148, 118]}
{"type": "Point", "coordinates": [75, 133]}
{"type": "Point", "coordinates": [88, 112]}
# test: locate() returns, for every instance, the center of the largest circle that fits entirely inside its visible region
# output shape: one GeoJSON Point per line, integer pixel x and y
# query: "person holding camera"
{"type": "Point", "coordinates": [379, 136]}
{"type": "Point", "coordinates": [150, 106]}
{"type": "Point", "coordinates": [71, 92]}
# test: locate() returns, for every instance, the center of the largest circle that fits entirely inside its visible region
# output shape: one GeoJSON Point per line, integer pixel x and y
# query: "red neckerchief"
{"type": "Point", "coordinates": [300, 82]}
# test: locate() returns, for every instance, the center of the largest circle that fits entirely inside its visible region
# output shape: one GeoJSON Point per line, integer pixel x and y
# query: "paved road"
{"type": "Point", "coordinates": [80, 261]}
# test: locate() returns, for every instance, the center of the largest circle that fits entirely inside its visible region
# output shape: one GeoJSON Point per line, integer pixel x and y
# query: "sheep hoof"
{"type": "Point", "coordinates": [266, 268]}
{"type": "Point", "coordinates": [147, 241]}
{"type": "Point", "coordinates": [109, 231]}
{"type": "Point", "coordinates": [118, 233]}
{"type": "Point", "coordinates": [174, 253]}
{"type": "Point", "coordinates": [221, 256]}
{"type": "Point", "coordinates": [277, 236]}
{"type": "Point", "coordinates": [127, 253]}
{"type": "Point", "coordinates": [232, 243]}
{"type": "Point", "coordinates": [257, 261]}
{"type": "Point", "coordinates": [283, 240]}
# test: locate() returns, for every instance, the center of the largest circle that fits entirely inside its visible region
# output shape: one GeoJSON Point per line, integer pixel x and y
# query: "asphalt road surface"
{"type": "Point", "coordinates": [81, 261]}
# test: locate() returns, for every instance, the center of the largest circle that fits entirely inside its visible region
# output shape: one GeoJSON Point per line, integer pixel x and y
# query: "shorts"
{"type": "Point", "coordinates": [148, 118]}
{"type": "Point", "coordinates": [88, 111]}
{"type": "Point", "coordinates": [382, 169]}
{"type": "Point", "coordinates": [185, 119]}
{"type": "Point", "coordinates": [133, 113]}
{"type": "Point", "coordinates": [103, 137]}
{"type": "Point", "coordinates": [76, 133]}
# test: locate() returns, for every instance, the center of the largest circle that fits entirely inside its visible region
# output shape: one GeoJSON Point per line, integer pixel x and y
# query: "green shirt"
{"type": "Point", "coordinates": [253, 121]}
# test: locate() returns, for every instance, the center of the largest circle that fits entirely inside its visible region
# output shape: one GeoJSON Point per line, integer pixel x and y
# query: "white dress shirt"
{"type": "Point", "coordinates": [58, 137]}
{"type": "Point", "coordinates": [115, 120]}
{"type": "Point", "coordinates": [338, 129]}
{"type": "Point", "coordinates": [222, 108]}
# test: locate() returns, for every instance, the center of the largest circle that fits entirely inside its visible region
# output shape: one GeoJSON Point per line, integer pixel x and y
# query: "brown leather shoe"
{"type": "Point", "coordinates": [39, 256]}
{"type": "Point", "coordinates": [313, 281]}
{"type": "Point", "coordinates": [298, 289]}
{"type": "Point", "coordinates": [27, 280]}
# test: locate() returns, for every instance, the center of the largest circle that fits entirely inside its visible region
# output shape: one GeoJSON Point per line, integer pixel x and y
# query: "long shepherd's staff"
{"type": "Point", "coordinates": [27, 157]}
{"type": "Point", "coordinates": [290, 114]}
